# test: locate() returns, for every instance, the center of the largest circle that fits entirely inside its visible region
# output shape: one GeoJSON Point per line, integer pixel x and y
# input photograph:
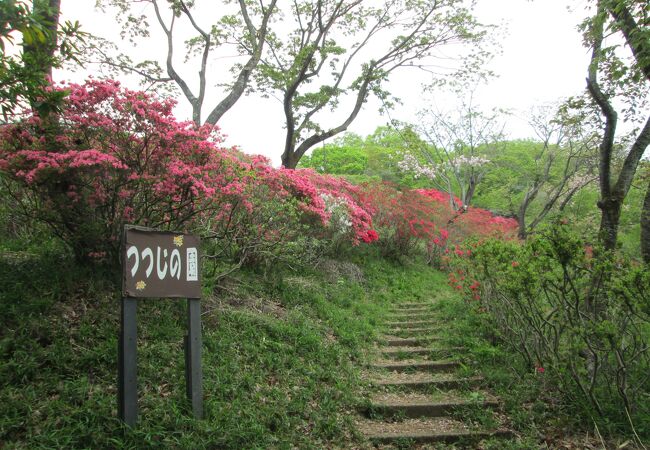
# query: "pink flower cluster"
{"type": "Point", "coordinates": [120, 156]}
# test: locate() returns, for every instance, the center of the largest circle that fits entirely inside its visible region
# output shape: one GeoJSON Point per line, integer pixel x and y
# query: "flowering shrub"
{"type": "Point", "coordinates": [471, 222]}
{"type": "Point", "coordinates": [406, 219]}
{"type": "Point", "coordinates": [339, 205]}
{"type": "Point", "coordinates": [581, 321]}
{"type": "Point", "coordinates": [424, 219]}
{"type": "Point", "coordinates": [287, 215]}
{"type": "Point", "coordinates": [121, 157]}
{"type": "Point", "coordinates": [478, 222]}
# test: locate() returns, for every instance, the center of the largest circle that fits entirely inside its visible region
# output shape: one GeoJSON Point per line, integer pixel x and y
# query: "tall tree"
{"type": "Point", "coordinates": [340, 52]}
{"type": "Point", "coordinates": [453, 152]}
{"type": "Point", "coordinates": [39, 53]}
{"type": "Point", "coordinates": [562, 165]}
{"type": "Point", "coordinates": [612, 80]}
{"type": "Point", "coordinates": [247, 31]}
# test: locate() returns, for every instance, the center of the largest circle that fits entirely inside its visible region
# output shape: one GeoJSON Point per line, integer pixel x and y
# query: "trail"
{"type": "Point", "coordinates": [421, 394]}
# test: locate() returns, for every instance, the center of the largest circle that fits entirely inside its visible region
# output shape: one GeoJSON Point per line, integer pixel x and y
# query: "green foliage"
{"type": "Point", "coordinates": [529, 397]}
{"type": "Point", "coordinates": [584, 320]}
{"type": "Point", "coordinates": [338, 160]}
{"type": "Point", "coordinates": [45, 45]}
{"type": "Point", "coordinates": [373, 158]}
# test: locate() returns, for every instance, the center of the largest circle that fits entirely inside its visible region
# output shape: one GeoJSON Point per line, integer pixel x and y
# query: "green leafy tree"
{"type": "Point", "coordinates": [645, 216]}
{"type": "Point", "coordinates": [385, 148]}
{"type": "Point", "coordinates": [342, 157]}
{"type": "Point", "coordinates": [562, 164]}
{"type": "Point", "coordinates": [340, 52]}
{"type": "Point", "coordinates": [245, 32]}
{"type": "Point", "coordinates": [614, 80]}
{"type": "Point", "coordinates": [374, 157]}
{"type": "Point", "coordinates": [26, 63]}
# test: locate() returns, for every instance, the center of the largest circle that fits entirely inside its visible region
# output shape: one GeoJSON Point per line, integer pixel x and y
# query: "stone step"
{"type": "Point", "coordinates": [410, 304]}
{"type": "Point", "coordinates": [411, 323]}
{"type": "Point", "coordinates": [419, 380]}
{"type": "Point", "coordinates": [412, 365]}
{"type": "Point", "coordinates": [408, 314]}
{"type": "Point", "coordinates": [411, 331]}
{"type": "Point", "coordinates": [396, 341]}
{"type": "Point", "coordinates": [423, 431]}
{"type": "Point", "coordinates": [416, 405]}
{"type": "Point", "coordinates": [412, 317]}
{"type": "Point", "coordinates": [409, 352]}
{"type": "Point", "coordinates": [410, 309]}
{"type": "Point", "coordinates": [419, 312]}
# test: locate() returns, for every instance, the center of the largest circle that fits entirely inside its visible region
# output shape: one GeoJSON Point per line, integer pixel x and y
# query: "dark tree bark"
{"type": "Point", "coordinates": [645, 227]}
{"type": "Point", "coordinates": [292, 154]}
{"type": "Point", "coordinates": [632, 31]}
{"type": "Point", "coordinates": [469, 195]}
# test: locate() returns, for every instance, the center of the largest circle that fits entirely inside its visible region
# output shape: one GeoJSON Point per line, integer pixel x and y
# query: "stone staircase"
{"type": "Point", "coordinates": [418, 395]}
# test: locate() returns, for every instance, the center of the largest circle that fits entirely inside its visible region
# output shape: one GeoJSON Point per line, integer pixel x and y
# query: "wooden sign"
{"type": "Point", "coordinates": [160, 264]}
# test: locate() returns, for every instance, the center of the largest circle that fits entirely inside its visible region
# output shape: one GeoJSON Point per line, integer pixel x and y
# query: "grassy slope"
{"type": "Point", "coordinates": [280, 357]}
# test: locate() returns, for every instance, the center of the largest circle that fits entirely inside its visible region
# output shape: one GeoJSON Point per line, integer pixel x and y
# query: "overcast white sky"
{"type": "Point", "coordinates": [542, 61]}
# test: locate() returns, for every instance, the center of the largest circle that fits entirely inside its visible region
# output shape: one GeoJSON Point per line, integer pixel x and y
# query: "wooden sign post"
{"type": "Point", "coordinates": [166, 265]}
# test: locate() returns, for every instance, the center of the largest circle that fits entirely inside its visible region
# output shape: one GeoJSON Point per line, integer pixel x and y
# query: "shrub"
{"type": "Point", "coordinates": [406, 220]}
{"type": "Point", "coordinates": [583, 322]}
{"type": "Point", "coordinates": [119, 156]}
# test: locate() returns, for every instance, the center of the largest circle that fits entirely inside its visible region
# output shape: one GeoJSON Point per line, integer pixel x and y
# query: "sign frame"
{"type": "Point", "coordinates": [127, 379]}
{"type": "Point", "coordinates": [163, 264]}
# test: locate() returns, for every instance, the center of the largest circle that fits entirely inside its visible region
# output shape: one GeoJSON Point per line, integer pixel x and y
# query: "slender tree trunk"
{"type": "Point", "coordinates": [38, 58]}
{"type": "Point", "coordinates": [611, 215]}
{"type": "Point", "coordinates": [645, 227]}
{"type": "Point", "coordinates": [521, 221]}
{"type": "Point", "coordinates": [40, 55]}
{"type": "Point", "coordinates": [469, 195]}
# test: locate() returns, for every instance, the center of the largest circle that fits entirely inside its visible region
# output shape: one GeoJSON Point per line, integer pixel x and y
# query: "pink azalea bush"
{"type": "Point", "coordinates": [119, 156]}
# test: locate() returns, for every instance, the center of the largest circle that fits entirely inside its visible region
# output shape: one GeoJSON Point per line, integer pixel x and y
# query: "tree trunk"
{"type": "Point", "coordinates": [611, 214]}
{"type": "Point", "coordinates": [645, 227]}
{"type": "Point", "coordinates": [521, 221]}
{"type": "Point", "coordinates": [39, 59]}
{"type": "Point", "coordinates": [40, 55]}
{"type": "Point", "coordinates": [469, 195]}
{"type": "Point", "coordinates": [290, 159]}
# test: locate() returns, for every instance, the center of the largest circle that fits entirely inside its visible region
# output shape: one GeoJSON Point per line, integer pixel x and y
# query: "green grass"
{"type": "Point", "coordinates": [270, 380]}
{"type": "Point", "coordinates": [281, 356]}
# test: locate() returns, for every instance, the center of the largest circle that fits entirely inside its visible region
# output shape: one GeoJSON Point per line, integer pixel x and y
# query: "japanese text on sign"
{"type": "Point", "coordinates": [160, 264]}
